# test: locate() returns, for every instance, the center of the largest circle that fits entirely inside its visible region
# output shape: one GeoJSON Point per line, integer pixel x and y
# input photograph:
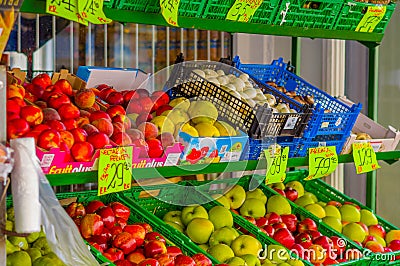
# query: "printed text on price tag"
{"type": "Point", "coordinates": [364, 157]}
{"type": "Point", "coordinates": [66, 9]}
{"type": "Point", "coordinates": [276, 164]}
{"type": "Point", "coordinates": [115, 170]}
{"type": "Point", "coordinates": [243, 10]}
{"type": "Point", "coordinates": [92, 11]}
{"type": "Point", "coordinates": [169, 10]}
{"type": "Point", "coordinates": [371, 19]}
{"type": "Point", "coordinates": [322, 161]}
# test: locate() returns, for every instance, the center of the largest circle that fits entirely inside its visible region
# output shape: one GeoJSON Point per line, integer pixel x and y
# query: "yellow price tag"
{"type": "Point", "coordinates": [169, 10]}
{"type": "Point", "coordinates": [322, 161]}
{"type": "Point", "coordinates": [276, 164]}
{"type": "Point", "coordinates": [66, 9]}
{"type": "Point", "coordinates": [371, 19]}
{"type": "Point", "coordinates": [243, 10]}
{"type": "Point", "coordinates": [115, 170]}
{"type": "Point", "coordinates": [92, 11]}
{"type": "Point", "coordinates": [364, 157]}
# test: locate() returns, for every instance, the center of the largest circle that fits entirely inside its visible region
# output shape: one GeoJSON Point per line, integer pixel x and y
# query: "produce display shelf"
{"type": "Point", "coordinates": [127, 16]}
{"type": "Point", "coordinates": [180, 170]}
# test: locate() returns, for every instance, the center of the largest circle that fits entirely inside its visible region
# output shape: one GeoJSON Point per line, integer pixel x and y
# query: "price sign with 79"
{"type": "Point", "coordinates": [243, 10]}
{"type": "Point", "coordinates": [322, 162]}
{"type": "Point", "coordinates": [115, 170]}
{"type": "Point", "coordinates": [276, 164]}
{"type": "Point", "coordinates": [169, 10]}
{"type": "Point", "coordinates": [364, 158]}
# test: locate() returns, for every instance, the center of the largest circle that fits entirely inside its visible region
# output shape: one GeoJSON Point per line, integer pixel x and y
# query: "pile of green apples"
{"type": "Point", "coordinates": [359, 225]}
{"type": "Point", "coordinates": [32, 250]}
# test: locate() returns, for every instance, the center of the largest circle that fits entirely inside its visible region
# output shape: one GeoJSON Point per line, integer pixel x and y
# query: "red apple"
{"type": "Point", "coordinates": [48, 139]}
{"type": "Point", "coordinates": [149, 262]}
{"type": "Point", "coordinates": [201, 260]}
{"type": "Point", "coordinates": [16, 128]}
{"type": "Point", "coordinates": [153, 248]}
{"type": "Point", "coordinates": [165, 259]}
{"type": "Point", "coordinates": [262, 221]}
{"type": "Point", "coordinates": [34, 89]}
{"type": "Point", "coordinates": [107, 215]}
{"type": "Point", "coordinates": [75, 209]}
{"type": "Point", "coordinates": [116, 230]}
{"type": "Point", "coordinates": [334, 203]}
{"type": "Point", "coordinates": [314, 234]}
{"type": "Point", "coordinates": [291, 193]}
{"type": "Point", "coordinates": [155, 148]}
{"type": "Point", "coordinates": [137, 232]}
{"type": "Point", "coordinates": [173, 251]}
{"type": "Point", "coordinates": [150, 236]}
{"type": "Point", "coordinates": [115, 98]}
{"type": "Point", "coordinates": [120, 210]}
{"type": "Point", "coordinates": [269, 230]}
{"type": "Point", "coordinates": [91, 225]}
{"type": "Point", "coordinates": [377, 230]}
{"type": "Point", "coordinates": [160, 97]}
{"type": "Point", "coordinates": [129, 95]}
{"type": "Point", "coordinates": [306, 225]}
{"type": "Point", "coordinates": [280, 191]}
{"type": "Point", "coordinates": [277, 226]}
{"type": "Point", "coordinates": [367, 239]}
{"type": "Point", "coordinates": [32, 114]}
{"type": "Point", "coordinates": [101, 241]}
{"type": "Point", "coordinates": [299, 250]}
{"type": "Point", "coordinates": [115, 110]}
{"type": "Point", "coordinates": [82, 151]}
{"type": "Point", "coordinates": [13, 108]}
{"type": "Point", "coordinates": [303, 239]}
{"type": "Point", "coordinates": [113, 254]}
{"type": "Point", "coordinates": [123, 263]}
{"type": "Point", "coordinates": [48, 91]}
{"type": "Point", "coordinates": [56, 99]}
{"type": "Point", "coordinates": [135, 257]}
{"type": "Point", "coordinates": [93, 206]}
{"type": "Point", "coordinates": [352, 203]}
{"type": "Point", "coordinates": [98, 140]}
{"type": "Point", "coordinates": [374, 246]}
{"type": "Point", "coordinates": [339, 244]}
{"type": "Point", "coordinates": [106, 233]}
{"type": "Point", "coordinates": [273, 218]}
{"type": "Point", "coordinates": [283, 236]}
{"type": "Point", "coordinates": [162, 109]}
{"type": "Point", "coordinates": [290, 220]}
{"type": "Point", "coordinates": [146, 227]}
{"type": "Point", "coordinates": [125, 242]}
{"type": "Point", "coordinates": [121, 222]}
{"type": "Point", "coordinates": [324, 242]}
{"type": "Point", "coordinates": [183, 260]}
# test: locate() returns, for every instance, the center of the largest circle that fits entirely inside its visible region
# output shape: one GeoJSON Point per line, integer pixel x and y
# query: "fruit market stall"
{"type": "Point", "coordinates": [201, 119]}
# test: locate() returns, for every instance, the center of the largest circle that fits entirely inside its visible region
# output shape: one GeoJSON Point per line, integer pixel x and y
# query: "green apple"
{"type": "Point", "coordinates": [267, 263]}
{"type": "Point", "coordinates": [10, 214]}
{"type": "Point", "coordinates": [191, 212]}
{"type": "Point", "coordinates": [19, 258]}
{"type": "Point", "coordinates": [41, 243]}
{"type": "Point", "coordinates": [236, 261]}
{"type": "Point", "coordinates": [323, 204]}
{"type": "Point", "coordinates": [256, 194]}
{"type": "Point", "coordinates": [331, 210]}
{"type": "Point", "coordinates": [222, 199]}
{"type": "Point", "coordinates": [221, 252]}
{"type": "Point", "coordinates": [354, 231]}
{"type": "Point", "coordinates": [224, 235]}
{"type": "Point", "coordinates": [368, 218]}
{"type": "Point", "coordinates": [278, 185]}
{"type": "Point", "coordinates": [10, 248]}
{"type": "Point", "coordinates": [236, 196]}
{"type": "Point", "coordinates": [173, 216]}
{"type": "Point", "coordinates": [204, 247]}
{"type": "Point", "coordinates": [297, 186]}
{"type": "Point", "coordinates": [278, 204]}
{"type": "Point", "coordinates": [56, 260]}
{"type": "Point", "coordinates": [276, 254]}
{"type": "Point", "coordinates": [294, 262]}
{"type": "Point", "coordinates": [220, 217]}
{"type": "Point", "coordinates": [316, 209]}
{"type": "Point", "coordinates": [199, 230]}
{"type": "Point", "coordinates": [9, 225]}
{"type": "Point", "coordinates": [311, 195]}
{"type": "Point", "coordinates": [246, 244]}
{"type": "Point", "coordinates": [253, 207]}
{"type": "Point", "coordinates": [32, 237]}
{"type": "Point", "coordinates": [34, 253]}
{"type": "Point", "coordinates": [19, 242]}
{"type": "Point", "coordinates": [176, 226]}
{"type": "Point", "coordinates": [350, 213]}
{"type": "Point", "coordinates": [333, 222]}
{"type": "Point", "coordinates": [251, 260]}
{"type": "Point", "coordinates": [303, 201]}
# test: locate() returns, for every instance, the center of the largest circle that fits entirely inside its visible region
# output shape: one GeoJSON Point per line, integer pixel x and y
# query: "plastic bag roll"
{"type": "Point", "coordinates": [25, 187]}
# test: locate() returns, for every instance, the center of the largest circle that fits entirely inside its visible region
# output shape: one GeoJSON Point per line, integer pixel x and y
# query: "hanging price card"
{"type": "Point", "coordinates": [92, 11]}
{"type": "Point", "coordinates": [364, 157]}
{"type": "Point", "coordinates": [7, 19]}
{"type": "Point", "coordinates": [169, 10]}
{"type": "Point", "coordinates": [322, 161]}
{"type": "Point", "coordinates": [66, 9]}
{"type": "Point", "coordinates": [243, 10]}
{"type": "Point", "coordinates": [276, 164]}
{"type": "Point", "coordinates": [371, 19]}
{"type": "Point", "coordinates": [115, 170]}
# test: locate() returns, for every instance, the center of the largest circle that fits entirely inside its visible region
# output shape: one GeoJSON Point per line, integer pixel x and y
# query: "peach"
{"type": "Point", "coordinates": [55, 124]}
{"type": "Point", "coordinates": [70, 123]}
{"type": "Point", "coordinates": [104, 125]}
{"type": "Point", "coordinates": [115, 98]}
{"type": "Point", "coordinates": [115, 110]}
{"type": "Point", "coordinates": [67, 138]}
{"type": "Point", "coordinates": [98, 140]}
{"type": "Point", "coordinates": [64, 86]}
{"type": "Point", "coordinates": [82, 151]}
{"type": "Point", "coordinates": [134, 107]}
{"type": "Point", "coordinates": [42, 80]}
{"type": "Point", "coordinates": [48, 139]}
{"type": "Point", "coordinates": [80, 121]}
{"type": "Point", "coordinates": [85, 98]}
{"type": "Point", "coordinates": [68, 110]}
{"type": "Point", "coordinates": [90, 129]}
{"type": "Point", "coordinates": [32, 114]}
{"type": "Point", "coordinates": [122, 119]}
{"type": "Point", "coordinates": [50, 114]}
{"type": "Point", "coordinates": [79, 134]}
{"type": "Point", "coordinates": [97, 115]}
{"type": "Point", "coordinates": [40, 104]}
{"type": "Point", "coordinates": [149, 130]}
{"type": "Point", "coordinates": [15, 90]}
{"type": "Point", "coordinates": [105, 92]}
{"type": "Point", "coordinates": [135, 133]}
{"type": "Point", "coordinates": [121, 139]}
{"type": "Point", "coordinates": [17, 128]}
{"type": "Point", "coordinates": [56, 99]}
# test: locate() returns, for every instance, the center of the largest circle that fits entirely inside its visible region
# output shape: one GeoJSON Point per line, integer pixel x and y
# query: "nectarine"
{"type": "Point", "coordinates": [82, 151]}
{"type": "Point", "coordinates": [32, 114]}
{"type": "Point", "coordinates": [149, 130]}
{"type": "Point", "coordinates": [98, 140]}
{"type": "Point", "coordinates": [48, 139]}
{"type": "Point", "coordinates": [17, 128]}
{"type": "Point", "coordinates": [67, 138]}
{"type": "Point", "coordinates": [64, 86]}
{"type": "Point", "coordinates": [69, 110]}
{"type": "Point", "coordinates": [85, 98]}
{"type": "Point", "coordinates": [104, 125]}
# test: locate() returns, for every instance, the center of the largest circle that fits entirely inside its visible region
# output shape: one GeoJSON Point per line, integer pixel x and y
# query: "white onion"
{"type": "Point", "coordinates": [251, 93]}
{"type": "Point", "coordinates": [200, 73]}
{"type": "Point", "coordinates": [220, 72]}
{"type": "Point", "coordinates": [244, 77]}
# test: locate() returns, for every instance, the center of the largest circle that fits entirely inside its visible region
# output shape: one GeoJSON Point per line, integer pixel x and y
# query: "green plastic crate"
{"type": "Point", "coordinates": [321, 14]}
{"type": "Point", "coordinates": [137, 215]}
{"type": "Point", "coordinates": [169, 193]}
{"type": "Point", "coordinates": [352, 13]}
{"type": "Point", "coordinates": [187, 8]}
{"type": "Point", "coordinates": [325, 192]}
{"type": "Point", "coordinates": [265, 14]}
{"type": "Point", "coordinates": [246, 181]}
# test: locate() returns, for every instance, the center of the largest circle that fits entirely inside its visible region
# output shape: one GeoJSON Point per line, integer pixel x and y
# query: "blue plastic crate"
{"type": "Point", "coordinates": [329, 116]}
{"type": "Point", "coordinates": [304, 144]}
{"type": "Point", "coordinates": [255, 147]}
